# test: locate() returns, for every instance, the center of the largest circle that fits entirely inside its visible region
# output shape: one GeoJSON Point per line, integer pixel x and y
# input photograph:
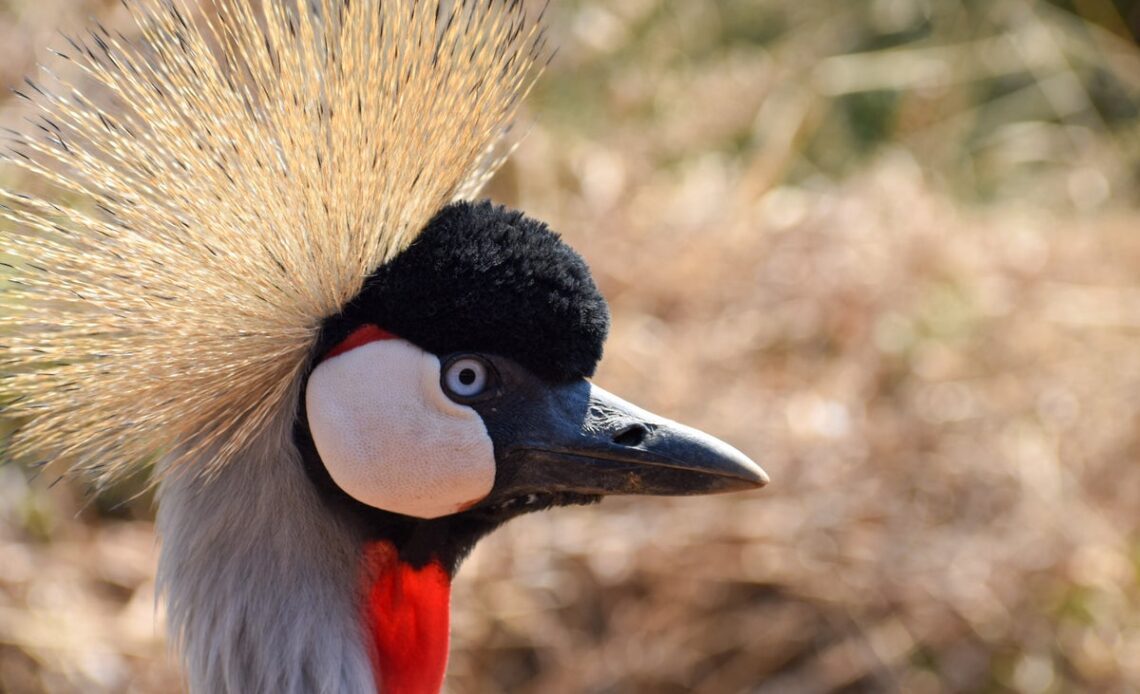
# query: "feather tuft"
{"type": "Point", "coordinates": [215, 188]}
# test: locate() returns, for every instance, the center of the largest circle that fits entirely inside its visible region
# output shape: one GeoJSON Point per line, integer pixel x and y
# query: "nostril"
{"type": "Point", "coordinates": [632, 435]}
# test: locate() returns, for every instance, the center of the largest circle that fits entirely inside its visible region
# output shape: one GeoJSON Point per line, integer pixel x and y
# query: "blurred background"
{"type": "Point", "coordinates": [890, 248]}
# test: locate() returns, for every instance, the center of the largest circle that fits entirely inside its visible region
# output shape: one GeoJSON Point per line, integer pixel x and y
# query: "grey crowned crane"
{"type": "Point", "coordinates": [251, 260]}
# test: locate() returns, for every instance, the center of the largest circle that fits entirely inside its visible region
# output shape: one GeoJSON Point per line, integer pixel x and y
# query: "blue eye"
{"type": "Point", "coordinates": [466, 377]}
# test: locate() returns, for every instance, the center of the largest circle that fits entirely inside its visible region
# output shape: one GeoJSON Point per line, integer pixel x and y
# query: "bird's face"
{"type": "Point", "coordinates": [453, 393]}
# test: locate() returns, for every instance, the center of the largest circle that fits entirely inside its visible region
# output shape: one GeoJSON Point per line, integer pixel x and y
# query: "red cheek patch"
{"type": "Point", "coordinates": [359, 337]}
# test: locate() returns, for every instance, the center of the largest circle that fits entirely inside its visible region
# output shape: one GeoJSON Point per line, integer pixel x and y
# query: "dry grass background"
{"type": "Point", "coordinates": [888, 247]}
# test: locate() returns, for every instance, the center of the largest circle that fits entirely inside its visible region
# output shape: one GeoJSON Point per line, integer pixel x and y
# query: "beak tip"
{"type": "Point", "coordinates": [762, 479]}
{"type": "Point", "coordinates": [752, 475]}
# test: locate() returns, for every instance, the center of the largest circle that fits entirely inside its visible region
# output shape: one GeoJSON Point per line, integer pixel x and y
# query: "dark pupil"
{"type": "Point", "coordinates": [467, 376]}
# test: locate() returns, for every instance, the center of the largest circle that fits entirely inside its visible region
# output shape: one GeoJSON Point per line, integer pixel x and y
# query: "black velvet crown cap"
{"type": "Point", "coordinates": [484, 278]}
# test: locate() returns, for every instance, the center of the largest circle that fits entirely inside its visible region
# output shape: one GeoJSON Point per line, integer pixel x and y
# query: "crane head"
{"type": "Point", "coordinates": [452, 393]}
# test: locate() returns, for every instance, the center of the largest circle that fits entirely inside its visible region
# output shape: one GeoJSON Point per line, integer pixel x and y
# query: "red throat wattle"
{"type": "Point", "coordinates": [407, 613]}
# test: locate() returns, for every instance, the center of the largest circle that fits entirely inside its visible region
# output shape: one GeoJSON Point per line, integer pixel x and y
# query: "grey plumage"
{"type": "Point", "coordinates": [260, 579]}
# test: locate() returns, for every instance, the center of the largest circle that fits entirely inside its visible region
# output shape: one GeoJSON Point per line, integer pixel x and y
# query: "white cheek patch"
{"type": "Point", "coordinates": [389, 436]}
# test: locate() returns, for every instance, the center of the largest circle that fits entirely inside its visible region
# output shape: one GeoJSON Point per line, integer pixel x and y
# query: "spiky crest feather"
{"type": "Point", "coordinates": [245, 172]}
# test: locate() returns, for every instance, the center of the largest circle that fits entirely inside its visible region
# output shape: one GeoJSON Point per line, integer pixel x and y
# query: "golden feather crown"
{"type": "Point", "coordinates": [216, 188]}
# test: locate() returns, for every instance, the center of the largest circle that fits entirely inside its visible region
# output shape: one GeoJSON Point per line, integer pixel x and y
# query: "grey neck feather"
{"type": "Point", "coordinates": [260, 580]}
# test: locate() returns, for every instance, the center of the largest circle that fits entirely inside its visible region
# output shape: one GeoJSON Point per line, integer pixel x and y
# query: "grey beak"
{"type": "Point", "coordinates": [579, 439]}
